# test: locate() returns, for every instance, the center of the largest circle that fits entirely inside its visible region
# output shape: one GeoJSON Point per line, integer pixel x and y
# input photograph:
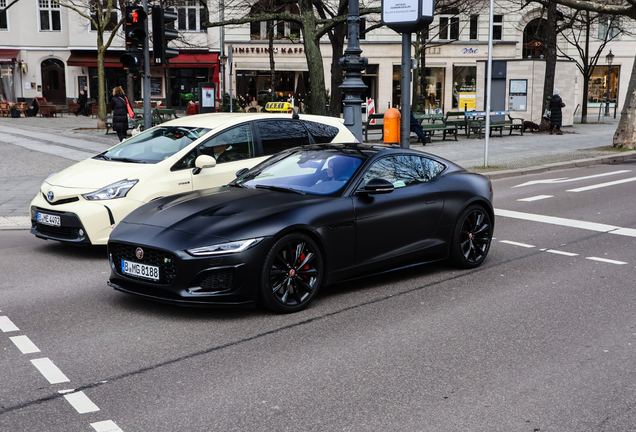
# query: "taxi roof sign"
{"type": "Point", "coordinates": [281, 107]}
{"type": "Point", "coordinates": [278, 106]}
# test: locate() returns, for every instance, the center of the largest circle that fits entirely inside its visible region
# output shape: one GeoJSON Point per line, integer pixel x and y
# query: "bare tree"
{"type": "Point", "coordinates": [102, 15]}
{"type": "Point", "coordinates": [625, 135]}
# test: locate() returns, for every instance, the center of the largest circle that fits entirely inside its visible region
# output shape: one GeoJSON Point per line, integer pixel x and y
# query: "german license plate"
{"type": "Point", "coordinates": [47, 219]}
{"type": "Point", "coordinates": [140, 270]}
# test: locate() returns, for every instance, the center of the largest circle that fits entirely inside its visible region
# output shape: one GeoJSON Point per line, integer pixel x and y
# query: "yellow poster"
{"type": "Point", "coordinates": [467, 100]}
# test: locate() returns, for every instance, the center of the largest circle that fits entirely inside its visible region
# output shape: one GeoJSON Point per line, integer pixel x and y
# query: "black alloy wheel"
{"type": "Point", "coordinates": [292, 274]}
{"type": "Point", "coordinates": [471, 238]}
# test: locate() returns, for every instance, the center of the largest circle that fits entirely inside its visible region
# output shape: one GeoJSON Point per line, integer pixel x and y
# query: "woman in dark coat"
{"type": "Point", "coordinates": [119, 107]}
{"type": "Point", "coordinates": [556, 116]}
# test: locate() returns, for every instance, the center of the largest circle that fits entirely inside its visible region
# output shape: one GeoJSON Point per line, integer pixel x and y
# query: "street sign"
{"type": "Point", "coordinates": [407, 16]}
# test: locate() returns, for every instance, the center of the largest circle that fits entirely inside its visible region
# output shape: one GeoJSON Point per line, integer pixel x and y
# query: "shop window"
{"type": "Point", "coordinates": [608, 29]}
{"type": "Point", "coordinates": [449, 28]}
{"type": "Point", "coordinates": [6, 82]}
{"type": "Point", "coordinates": [4, 21]}
{"type": "Point", "coordinates": [434, 88]}
{"type": "Point", "coordinates": [497, 27]}
{"type": "Point", "coordinates": [464, 87]}
{"type": "Point", "coordinates": [474, 21]}
{"type": "Point", "coordinates": [597, 89]}
{"type": "Point", "coordinates": [49, 15]}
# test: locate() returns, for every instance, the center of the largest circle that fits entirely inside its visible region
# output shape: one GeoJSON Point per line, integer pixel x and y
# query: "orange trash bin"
{"type": "Point", "coordinates": [392, 118]}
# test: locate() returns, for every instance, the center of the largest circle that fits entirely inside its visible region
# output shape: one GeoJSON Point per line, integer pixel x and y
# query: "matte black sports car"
{"type": "Point", "coordinates": [306, 217]}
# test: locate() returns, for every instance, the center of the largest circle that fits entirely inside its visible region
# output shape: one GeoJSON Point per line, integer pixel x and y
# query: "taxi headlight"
{"type": "Point", "coordinates": [225, 248]}
{"type": "Point", "coordinates": [116, 190]}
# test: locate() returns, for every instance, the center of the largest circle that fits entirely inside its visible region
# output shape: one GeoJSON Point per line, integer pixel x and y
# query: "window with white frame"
{"type": "Point", "coordinates": [190, 15]}
{"type": "Point", "coordinates": [4, 19]}
{"type": "Point", "coordinates": [50, 19]}
{"type": "Point", "coordinates": [449, 24]}
{"type": "Point", "coordinates": [281, 29]}
{"type": "Point", "coordinates": [608, 29]}
{"type": "Point", "coordinates": [112, 22]}
{"type": "Point", "coordinates": [497, 27]}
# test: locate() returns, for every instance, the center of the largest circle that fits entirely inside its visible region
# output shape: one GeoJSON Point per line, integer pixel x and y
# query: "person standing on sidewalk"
{"type": "Point", "coordinates": [556, 116]}
{"type": "Point", "coordinates": [119, 106]}
{"type": "Point", "coordinates": [81, 101]}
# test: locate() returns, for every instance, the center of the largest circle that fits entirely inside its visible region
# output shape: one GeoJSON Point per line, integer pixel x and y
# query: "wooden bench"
{"type": "Point", "coordinates": [456, 117]}
{"type": "Point", "coordinates": [379, 124]}
{"type": "Point", "coordinates": [476, 122]}
{"type": "Point", "coordinates": [166, 113]}
{"type": "Point", "coordinates": [435, 122]}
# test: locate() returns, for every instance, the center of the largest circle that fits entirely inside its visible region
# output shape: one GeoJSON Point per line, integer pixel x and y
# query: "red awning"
{"type": "Point", "coordinates": [8, 55]}
{"type": "Point", "coordinates": [89, 58]}
{"type": "Point", "coordinates": [190, 60]}
{"type": "Point", "coordinates": [111, 59]}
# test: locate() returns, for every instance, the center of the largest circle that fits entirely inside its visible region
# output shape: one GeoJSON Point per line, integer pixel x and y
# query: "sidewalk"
{"type": "Point", "coordinates": [41, 146]}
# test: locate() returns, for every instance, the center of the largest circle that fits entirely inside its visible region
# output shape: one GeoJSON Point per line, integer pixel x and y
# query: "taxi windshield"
{"type": "Point", "coordinates": [154, 145]}
{"type": "Point", "coordinates": [306, 172]}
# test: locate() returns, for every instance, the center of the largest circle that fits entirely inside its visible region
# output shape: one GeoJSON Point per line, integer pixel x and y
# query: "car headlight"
{"type": "Point", "coordinates": [225, 248]}
{"type": "Point", "coordinates": [116, 190]}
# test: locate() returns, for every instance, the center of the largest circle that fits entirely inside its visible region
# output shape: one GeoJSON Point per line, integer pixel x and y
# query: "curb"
{"type": "Point", "coordinates": [610, 159]}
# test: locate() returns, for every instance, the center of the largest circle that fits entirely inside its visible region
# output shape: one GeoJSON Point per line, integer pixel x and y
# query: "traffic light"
{"type": "Point", "coordinates": [162, 35]}
{"type": "Point", "coordinates": [136, 37]}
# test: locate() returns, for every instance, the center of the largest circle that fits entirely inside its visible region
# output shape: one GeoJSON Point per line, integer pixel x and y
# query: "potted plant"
{"type": "Point", "coordinates": [15, 111]}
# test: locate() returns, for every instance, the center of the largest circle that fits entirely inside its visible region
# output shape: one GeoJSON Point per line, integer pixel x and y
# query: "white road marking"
{"type": "Point", "coordinates": [51, 372]}
{"type": "Point", "coordinates": [81, 402]}
{"type": "Point", "coordinates": [517, 244]}
{"type": "Point", "coordinates": [24, 344]}
{"type": "Point", "coordinates": [605, 260]}
{"type": "Point", "coordinates": [567, 179]}
{"type": "Point", "coordinates": [106, 426]}
{"type": "Point", "coordinates": [558, 252]}
{"type": "Point", "coordinates": [536, 198]}
{"type": "Point", "coordinates": [6, 325]}
{"type": "Point", "coordinates": [602, 185]}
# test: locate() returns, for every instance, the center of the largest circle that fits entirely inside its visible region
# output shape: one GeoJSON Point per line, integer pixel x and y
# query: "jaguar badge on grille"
{"type": "Point", "coordinates": [139, 253]}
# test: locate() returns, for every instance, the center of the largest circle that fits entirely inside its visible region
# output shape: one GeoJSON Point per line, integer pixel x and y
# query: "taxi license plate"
{"type": "Point", "coordinates": [140, 270]}
{"type": "Point", "coordinates": [47, 219]}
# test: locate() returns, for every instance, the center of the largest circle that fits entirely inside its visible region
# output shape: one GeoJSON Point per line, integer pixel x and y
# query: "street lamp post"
{"type": "Point", "coordinates": [353, 65]}
{"type": "Point", "coordinates": [609, 58]}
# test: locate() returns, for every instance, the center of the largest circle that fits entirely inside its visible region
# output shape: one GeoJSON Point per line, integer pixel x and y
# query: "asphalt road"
{"type": "Point", "coordinates": [539, 338]}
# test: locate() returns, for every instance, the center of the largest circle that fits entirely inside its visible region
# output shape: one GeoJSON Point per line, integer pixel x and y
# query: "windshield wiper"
{"type": "Point", "coordinates": [281, 189]}
{"type": "Point", "coordinates": [102, 156]}
{"type": "Point", "coordinates": [128, 160]}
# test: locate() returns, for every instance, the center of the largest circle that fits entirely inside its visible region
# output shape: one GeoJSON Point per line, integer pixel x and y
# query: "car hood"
{"type": "Point", "coordinates": [225, 212]}
{"type": "Point", "coordinates": [93, 174]}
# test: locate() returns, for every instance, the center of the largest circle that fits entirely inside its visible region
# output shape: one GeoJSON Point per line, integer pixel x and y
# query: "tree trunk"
{"type": "Point", "coordinates": [314, 58]}
{"type": "Point", "coordinates": [586, 69]}
{"type": "Point", "coordinates": [625, 135]}
{"type": "Point", "coordinates": [101, 99]}
{"type": "Point", "coordinates": [272, 64]}
{"type": "Point", "coordinates": [337, 45]}
{"type": "Point", "coordinates": [550, 53]}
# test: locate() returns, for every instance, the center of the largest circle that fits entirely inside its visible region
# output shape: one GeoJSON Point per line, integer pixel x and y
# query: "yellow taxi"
{"type": "Point", "coordinates": [83, 203]}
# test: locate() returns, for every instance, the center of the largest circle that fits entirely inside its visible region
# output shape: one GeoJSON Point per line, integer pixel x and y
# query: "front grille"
{"type": "Point", "coordinates": [166, 261]}
{"type": "Point", "coordinates": [217, 280]}
{"type": "Point", "coordinates": [65, 233]}
{"type": "Point", "coordinates": [62, 201]}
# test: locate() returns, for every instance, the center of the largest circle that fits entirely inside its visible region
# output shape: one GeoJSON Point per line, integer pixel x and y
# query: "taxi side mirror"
{"type": "Point", "coordinates": [203, 161]}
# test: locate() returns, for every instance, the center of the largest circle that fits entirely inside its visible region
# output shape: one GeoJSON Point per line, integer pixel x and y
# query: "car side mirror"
{"type": "Point", "coordinates": [203, 161]}
{"type": "Point", "coordinates": [242, 172]}
{"type": "Point", "coordinates": [377, 186]}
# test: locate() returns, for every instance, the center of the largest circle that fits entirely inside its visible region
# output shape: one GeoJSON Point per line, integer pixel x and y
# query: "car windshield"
{"type": "Point", "coordinates": [304, 171]}
{"type": "Point", "coordinates": [154, 145]}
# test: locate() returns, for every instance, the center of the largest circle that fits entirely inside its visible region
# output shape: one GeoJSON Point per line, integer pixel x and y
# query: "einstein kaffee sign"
{"type": "Point", "coordinates": [407, 16]}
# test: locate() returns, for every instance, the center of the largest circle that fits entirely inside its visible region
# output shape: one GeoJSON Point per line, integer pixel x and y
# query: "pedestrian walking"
{"type": "Point", "coordinates": [81, 101]}
{"type": "Point", "coordinates": [119, 107]}
{"type": "Point", "coordinates": [556, 116]}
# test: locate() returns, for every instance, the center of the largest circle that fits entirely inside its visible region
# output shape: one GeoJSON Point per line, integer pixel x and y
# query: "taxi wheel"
{"type": "Point", "coordinates": [292, 274]}
{"type": "Point", "coordinates": [471, 237]}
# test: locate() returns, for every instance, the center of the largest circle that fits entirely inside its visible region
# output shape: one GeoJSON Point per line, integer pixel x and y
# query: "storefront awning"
{"type": "Point", "coordinates": [190, 60]}
{"type": "Point", "coordinates": [279, 66]}
{"type": "Point", "coordinates": [111, 59]}
{"type": "Point", "coordinates": [8, 55]}
{"type": "Point", "coordinates": [89, 58]}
